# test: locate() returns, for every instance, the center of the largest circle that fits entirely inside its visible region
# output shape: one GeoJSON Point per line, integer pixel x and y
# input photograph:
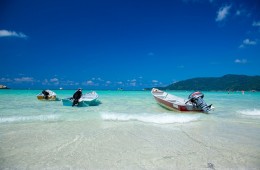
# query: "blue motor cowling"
{"type": "Point", "coordinates": [196, 98]}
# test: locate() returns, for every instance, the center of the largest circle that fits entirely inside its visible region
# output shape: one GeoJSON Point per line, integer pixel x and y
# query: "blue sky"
{"type": "Point", "coordinates": [131, 44]}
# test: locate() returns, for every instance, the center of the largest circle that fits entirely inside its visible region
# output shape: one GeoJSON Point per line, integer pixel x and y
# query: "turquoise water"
{"type": "Point", "coordinates": [22, 106]}
{"type": "Point", "coordinates": [128, 129]}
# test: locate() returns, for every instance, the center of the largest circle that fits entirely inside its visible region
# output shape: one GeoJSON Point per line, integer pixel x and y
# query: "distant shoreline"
{"type": "Point", "coordinates": [3, 87]}
{"type": "Point", "coordinates": [228, 83]}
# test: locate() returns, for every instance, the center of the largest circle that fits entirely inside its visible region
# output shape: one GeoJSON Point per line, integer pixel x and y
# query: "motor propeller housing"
{"type": "Point", "coordinates": [196, 99]}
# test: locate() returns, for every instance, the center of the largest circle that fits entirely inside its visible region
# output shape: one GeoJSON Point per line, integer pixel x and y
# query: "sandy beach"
{"type": "Point", "coordinates": [129, 145]}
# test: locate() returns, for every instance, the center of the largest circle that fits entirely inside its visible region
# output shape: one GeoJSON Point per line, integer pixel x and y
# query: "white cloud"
{"type": "Point", "coordinates": [6, 33]}
{"type": "Point", "coordinates": [108, 82]}
{"type": "Point", "coordinates": [242, 12]}
{"type": "Point", "coordinates": [69, 83]}
{"type": "Point", "coordinates": [97, 79]}
{"type": "Point", "coordinates": [242, 46]}
{"type": "Point", "coordinates": [247, 42]}
{"type": "Point", "coordinates": [133, 84]}
{"type": "Point", "coordinates": [89, 82]}
{"type": "Point", "coordinates": [24, 79]}
{"type": "Point", "coordinates": [5, 80]}
{"type": "Point", "coordinates": [256, 24]}
{"type": "Point", "coordinates": [223, 12]}
{"type": "Point", "coordinates": [133, 80]}
{"type": "Point", "coordinates": [240, 61]}
{"type": "Point", "coordinates": [54, 80]}
{"type": "Point", "coordinates": [155, 81]}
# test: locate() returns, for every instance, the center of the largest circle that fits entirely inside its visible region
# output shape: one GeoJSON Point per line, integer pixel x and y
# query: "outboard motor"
{"type": "Point", "coordinates": [196, 98]}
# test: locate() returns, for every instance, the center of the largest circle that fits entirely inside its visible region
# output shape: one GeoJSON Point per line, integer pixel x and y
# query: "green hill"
{"type": "Point", "coordinates": [227, 82]}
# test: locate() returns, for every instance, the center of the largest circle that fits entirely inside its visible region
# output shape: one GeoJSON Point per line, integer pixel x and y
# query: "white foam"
{"type": "Point", "coordinates": [162, 118]}
{"type": "Point", "coordinates": [28, 118]}
{"type": "Point", "coordinates": [250, 112]}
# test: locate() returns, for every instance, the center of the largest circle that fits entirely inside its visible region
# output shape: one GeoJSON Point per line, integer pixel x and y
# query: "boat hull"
{"type": "Point", "coordinates": [69, 102]}
{"type": "Point", "coordinates": [50, 98]}
{"type": "Point", "coordinates": [172, 102]}
{"type": "Point", "coordinates": [175, 107]}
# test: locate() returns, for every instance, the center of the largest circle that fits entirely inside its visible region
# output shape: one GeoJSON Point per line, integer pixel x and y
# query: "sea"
{"type": "Point", "coordinates": [128, 130]}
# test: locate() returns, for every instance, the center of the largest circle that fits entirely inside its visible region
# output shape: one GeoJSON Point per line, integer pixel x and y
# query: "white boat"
{"type": "Point", "coordinates": [52, 96]}
{"type": "Point", "coordinates": [88, 99]}
{"type": "Point", "coordinates": [195, 101]}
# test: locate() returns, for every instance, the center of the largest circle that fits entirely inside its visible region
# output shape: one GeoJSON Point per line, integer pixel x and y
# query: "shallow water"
{"type": "Point", "coordinates": [129, 130]}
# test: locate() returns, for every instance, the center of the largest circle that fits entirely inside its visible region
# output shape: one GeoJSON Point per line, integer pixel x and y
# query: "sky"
{"type": "Point", "coordinates": [129, 44]}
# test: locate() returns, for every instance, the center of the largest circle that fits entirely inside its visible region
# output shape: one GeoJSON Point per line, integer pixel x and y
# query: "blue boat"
{"type": "Point", "coordinates": [88, 99]}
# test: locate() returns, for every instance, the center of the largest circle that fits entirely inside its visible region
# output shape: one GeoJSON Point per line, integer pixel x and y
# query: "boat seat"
{"type": "Point", "coordinates": [172, 100]}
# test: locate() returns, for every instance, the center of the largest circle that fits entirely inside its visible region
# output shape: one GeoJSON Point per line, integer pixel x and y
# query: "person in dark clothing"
{"type": "Point", "coordinates": [46, 94]}
{"type": "Point", "coordinates": [76, 96]}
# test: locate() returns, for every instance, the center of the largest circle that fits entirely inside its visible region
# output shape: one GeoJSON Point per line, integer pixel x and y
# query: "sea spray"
{"type": "Point", "coordinates": [11, 119]}
{"type": "Point", "coordinates": [250, 112]}
{"type": "Point", "coordinates": [159, 118]}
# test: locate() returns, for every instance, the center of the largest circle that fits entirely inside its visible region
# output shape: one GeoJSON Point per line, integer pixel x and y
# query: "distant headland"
{"type": "Point", "coordinates": [229, 82]}
{"type": "Point", "coordinates": [3, 87]}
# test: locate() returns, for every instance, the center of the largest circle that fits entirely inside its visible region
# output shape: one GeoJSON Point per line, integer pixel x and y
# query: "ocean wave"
{"type": "Point", "coordinates": [250, 112]}
{"type": "Point", "coordinates": [162, 118]}
{"type": "Point", "coordinates": [28, 118]}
